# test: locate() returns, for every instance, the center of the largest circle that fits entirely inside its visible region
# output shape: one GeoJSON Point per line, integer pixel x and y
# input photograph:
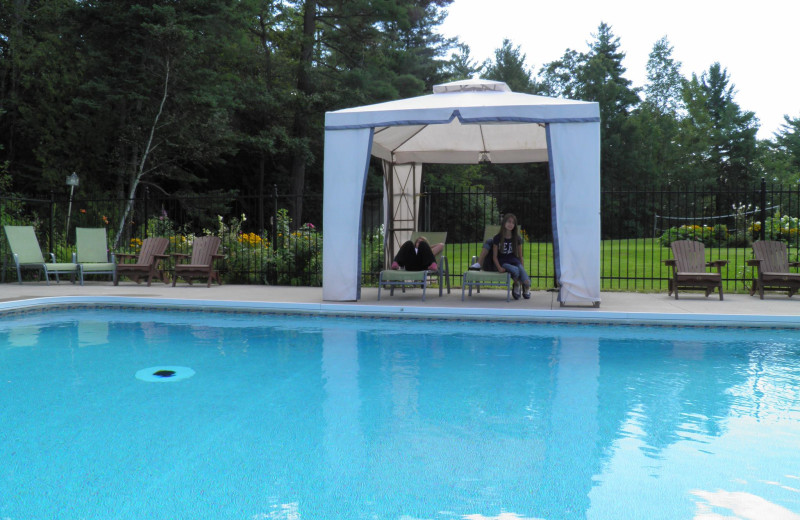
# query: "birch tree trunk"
{"type": "Point", "coordinates": [140, 171]}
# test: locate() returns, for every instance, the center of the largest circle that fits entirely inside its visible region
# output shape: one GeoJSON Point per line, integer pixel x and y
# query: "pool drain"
{"type": "Point", "coordinates": [164, 374]}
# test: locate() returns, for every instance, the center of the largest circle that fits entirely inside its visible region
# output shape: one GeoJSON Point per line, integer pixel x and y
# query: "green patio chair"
{"type": "Point", "coordinates": [401, 278]}
{"type": "Point", "coordinates": [27, 254]}
{"type": "Point", "coordinates": [481, 278]}
{"type": "Point", "coordinates": [92, 255]}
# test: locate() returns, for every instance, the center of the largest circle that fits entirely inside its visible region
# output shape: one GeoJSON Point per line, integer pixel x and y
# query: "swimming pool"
{"type": "Point", "coordinates": [308, 417]}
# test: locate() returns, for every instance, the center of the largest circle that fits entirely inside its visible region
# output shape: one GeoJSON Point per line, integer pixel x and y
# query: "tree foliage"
{"type": "Point", "coordinates": [780, 158]}
{"type": "Point", "coordinates": [509, 66]}
{"type": "Point", "coordinates": [192, 97]}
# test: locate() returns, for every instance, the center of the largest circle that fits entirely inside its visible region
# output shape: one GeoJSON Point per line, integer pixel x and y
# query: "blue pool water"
{"type": "Point", "coordinates": [292, 417]}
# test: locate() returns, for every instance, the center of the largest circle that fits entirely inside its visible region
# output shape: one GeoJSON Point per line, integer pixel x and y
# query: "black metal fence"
{"type": "Point", "coordinates": [263, 244]}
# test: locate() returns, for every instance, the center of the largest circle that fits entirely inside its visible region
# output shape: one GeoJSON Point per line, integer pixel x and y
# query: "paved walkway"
{"type": "Point", "coordinates": [775, 309]}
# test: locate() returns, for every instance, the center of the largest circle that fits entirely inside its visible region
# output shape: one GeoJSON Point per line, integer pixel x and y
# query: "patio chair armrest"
{"type": "Point", "coordinates": [124, 256]}
{"type": "Point", "coordinates": [754, 262]}
{"type": "Point", "coordinates": [717, 263]}
{"type": "Point", "coordinates": [182, 255]}
{"type": "Point", "coordinates": [794, 264]}
{"type": "Point", "coordinates": [161, 257]}
{"type": "Point", "coordinates": [670, 262]}
{"type": "Point", "coordinates": [52, 258]}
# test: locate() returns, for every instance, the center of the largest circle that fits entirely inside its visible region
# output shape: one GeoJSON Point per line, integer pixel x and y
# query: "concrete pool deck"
{"type": "Point", "coordinates": [736, 309]}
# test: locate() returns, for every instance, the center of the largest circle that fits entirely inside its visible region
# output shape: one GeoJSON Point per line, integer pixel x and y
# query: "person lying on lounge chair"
{"type": "Point", "coordinates": [417, 256]}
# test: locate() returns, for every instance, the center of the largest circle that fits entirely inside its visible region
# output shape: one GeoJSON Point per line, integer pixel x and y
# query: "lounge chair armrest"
{"type": "Point", "coordinates": [181, 255]}
{"type": "Point", "coordinates": [794, 264]}
{"type": "Point", "coordinates": [754, 262]}
{"type": "Point", "coordinates": [670, 262]}
{"type": "Point", "coordinates": [161, 257]}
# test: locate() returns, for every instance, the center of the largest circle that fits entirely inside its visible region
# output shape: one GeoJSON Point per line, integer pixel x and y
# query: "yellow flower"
{"type": "Point", "coordinates": [251, 239]}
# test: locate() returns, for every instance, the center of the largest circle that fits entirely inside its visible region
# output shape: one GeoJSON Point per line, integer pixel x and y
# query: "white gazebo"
{"type": "Point", "coordinates": [464, 122]}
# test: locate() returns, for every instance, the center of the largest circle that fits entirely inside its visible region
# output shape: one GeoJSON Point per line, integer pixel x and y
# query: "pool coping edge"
{"type": "Point", "coordinates": [355, 310]}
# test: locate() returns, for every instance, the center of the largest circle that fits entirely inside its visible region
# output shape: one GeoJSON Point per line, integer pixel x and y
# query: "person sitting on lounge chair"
{"type": "Point", "coordinates": [417, 256]}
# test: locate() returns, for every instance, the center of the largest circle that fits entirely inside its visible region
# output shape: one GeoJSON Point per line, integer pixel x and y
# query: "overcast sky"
{"type": "Point", "coordinates": [757, 41]}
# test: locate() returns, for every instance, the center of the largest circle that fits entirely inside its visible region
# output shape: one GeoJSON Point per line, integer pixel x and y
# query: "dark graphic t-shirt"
{"type": "Point", "coordinates": [506, 252]}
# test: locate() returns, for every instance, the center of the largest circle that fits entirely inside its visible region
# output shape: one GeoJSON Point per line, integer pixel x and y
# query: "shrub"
{"type": "Point", "coordinates": [711, 236]}
{"type": "Point", "coordinates": [778, 227]}
{"type": "Point", "coordinates": [702, 234]}
{"type": "Point", "coordinates": [294, 259]}
{"type": "Point", "coordinates": [246, 255]}
{"type": "Point", "coordinates": [298, 257]}
{"type": "Point", "coordinates": [372, 250]}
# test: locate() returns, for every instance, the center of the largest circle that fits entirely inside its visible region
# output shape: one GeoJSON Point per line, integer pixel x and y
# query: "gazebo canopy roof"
{"type": "Point", "coordinates": [462, 119]}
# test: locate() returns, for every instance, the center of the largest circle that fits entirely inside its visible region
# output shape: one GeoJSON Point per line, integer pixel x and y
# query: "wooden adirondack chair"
{"type": "Point", "coordinates": [772, 267]}
{"type": "Point", "coordinates": [689, 268]}
{"type": "Point", "coordinates": [201, 264]}
{"type": "Point", "coordinates": [148, 262]}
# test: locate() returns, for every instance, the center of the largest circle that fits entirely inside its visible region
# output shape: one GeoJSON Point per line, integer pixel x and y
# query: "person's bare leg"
{"type": "Point", "coordinates": [481, 258]}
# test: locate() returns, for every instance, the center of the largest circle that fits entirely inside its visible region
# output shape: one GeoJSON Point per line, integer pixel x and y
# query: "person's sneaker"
{"type": "Point", "coordinates": [395, 265]}
{"type": "Point", "coordinates": [515, 290]}
{"type": "Point", "coordinates": [475, 266]}
{"type": "Point", "coordinates": [527, 293]}
{"type": "Point", "coordinates": [433, 267]}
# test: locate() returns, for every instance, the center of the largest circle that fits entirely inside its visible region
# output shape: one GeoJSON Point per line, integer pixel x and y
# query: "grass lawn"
{"type": "Point", "coordinates": [626, 265]}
